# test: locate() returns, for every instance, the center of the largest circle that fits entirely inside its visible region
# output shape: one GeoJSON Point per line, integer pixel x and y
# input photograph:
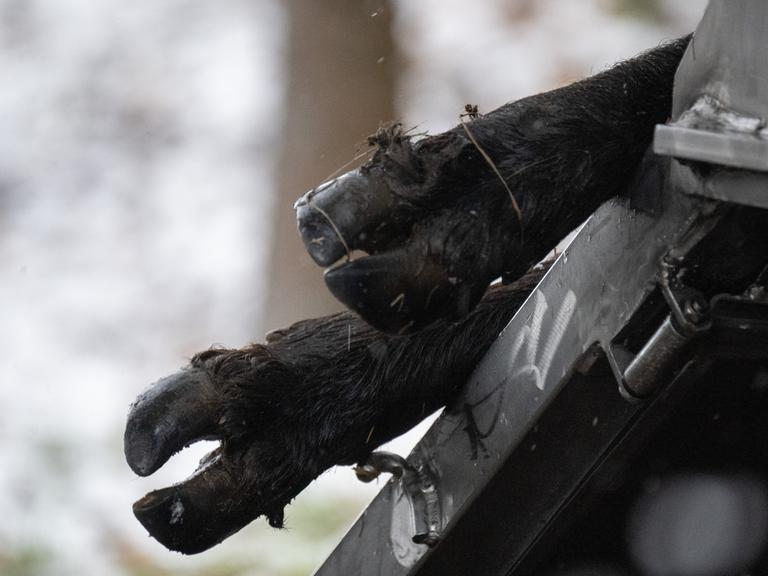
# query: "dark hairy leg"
{"type": "Point", "coordinates": [443, 216]}
{"type": "Point", "coordinates": [438, 225]}
{"type": "Point", "coordinates": [323, 392]}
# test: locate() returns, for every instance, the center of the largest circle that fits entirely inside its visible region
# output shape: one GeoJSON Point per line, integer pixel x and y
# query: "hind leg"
{"type": "Point", "coordinates": [323, 392]}
{"type": "Point", "coordinates": [441, 217]}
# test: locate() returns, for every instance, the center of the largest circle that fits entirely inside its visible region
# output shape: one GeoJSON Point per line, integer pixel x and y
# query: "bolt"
{"type": "Point", "coordinates": [694, 309]}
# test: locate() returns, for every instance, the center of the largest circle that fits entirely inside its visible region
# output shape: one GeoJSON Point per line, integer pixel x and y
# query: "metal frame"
{"type": "Point", "coordinates": [562, 392]}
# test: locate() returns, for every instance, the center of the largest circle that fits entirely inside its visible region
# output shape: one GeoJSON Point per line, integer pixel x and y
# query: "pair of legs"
{"type": "Point", "coordinates": [438, 219]}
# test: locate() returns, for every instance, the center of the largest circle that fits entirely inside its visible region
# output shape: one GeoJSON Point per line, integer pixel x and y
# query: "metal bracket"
{"type": "Point", "coordinates": [640, 375]}
{"type": "Point", "coordinates": [419, 484]}
{"type": "Point", "coordinates": [688, 306]}
{"type": "Point", "coordinates": [709, 132]}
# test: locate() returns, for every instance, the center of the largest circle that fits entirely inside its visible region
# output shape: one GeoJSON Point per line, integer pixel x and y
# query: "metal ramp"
{"type": "Point", "coordinates": [653, 318]}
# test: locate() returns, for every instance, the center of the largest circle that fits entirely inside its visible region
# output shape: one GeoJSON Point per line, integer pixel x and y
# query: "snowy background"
{"type": "Point", "coordinates": [137, 168]}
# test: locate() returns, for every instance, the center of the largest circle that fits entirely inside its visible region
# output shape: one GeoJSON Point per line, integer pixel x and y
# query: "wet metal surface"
{"type": "Point", "coordinates": [726, 59]}
{"type": "Point", "coordinates": [511, 453]}
{"type": "Point", "coordinates": [588, 296]}
{"type": "Point", "coordinates": [710, 132]}
{"type": "Point", "coordinates": [729, 149]}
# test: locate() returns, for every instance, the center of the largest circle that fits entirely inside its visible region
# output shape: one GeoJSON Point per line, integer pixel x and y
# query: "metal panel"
{"type": "Point", "coordinates": [746, 151]}
{"type": "Point", "coordinates": [589, 294]}
{"type": "Point", "coordinates": [727, 59]}
{"type": "Point", "coordinates": [738, 186]}
{"type": "Point", "coordinates": [510, 454]}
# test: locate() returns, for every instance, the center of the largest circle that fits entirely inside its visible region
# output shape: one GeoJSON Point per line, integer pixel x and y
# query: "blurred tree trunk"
{"type": "Point", "coordinates": [340, 87]}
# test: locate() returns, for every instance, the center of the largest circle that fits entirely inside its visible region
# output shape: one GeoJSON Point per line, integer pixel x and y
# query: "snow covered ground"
{"type": "Point", "coordinates": [135, 185]}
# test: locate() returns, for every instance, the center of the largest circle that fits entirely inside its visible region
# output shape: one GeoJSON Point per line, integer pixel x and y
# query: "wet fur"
{"type": "Point", "coordinates": [445, 219]}
{"type": "Point", "coordinates": [328, 391]}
